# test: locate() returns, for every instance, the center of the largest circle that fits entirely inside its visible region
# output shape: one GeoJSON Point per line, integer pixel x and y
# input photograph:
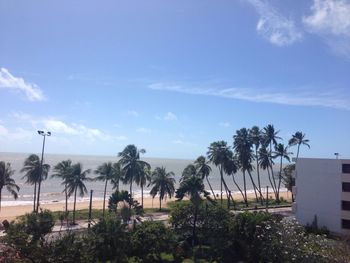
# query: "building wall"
{"type": "Point", "coordinates": [319, 192]}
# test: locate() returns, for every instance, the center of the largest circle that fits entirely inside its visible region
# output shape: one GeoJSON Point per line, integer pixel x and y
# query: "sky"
{"type": "Point", "coordinates": [173, 76]}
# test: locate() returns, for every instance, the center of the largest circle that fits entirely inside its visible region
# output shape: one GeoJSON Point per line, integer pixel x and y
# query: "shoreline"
{"type": "Point", "coordinates": [10, 213]}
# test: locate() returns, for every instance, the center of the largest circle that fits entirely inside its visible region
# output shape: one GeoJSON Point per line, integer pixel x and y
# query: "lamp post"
{"type": "Point", "coordinates": [44, 134]}
{"type": "Point", "coordinates": [336, 155]}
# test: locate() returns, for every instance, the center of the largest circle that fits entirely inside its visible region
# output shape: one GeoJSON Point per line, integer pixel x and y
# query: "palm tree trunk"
{"type": "Point", "coordinates": [130, 194]}
{"type": "Point", "coordinates": [245, 190]}
{"type": "Point", "coordinates": [234, 181]}
{"type": "Point", "coordinates": [38, 196]}
{"type": "Point", "coordinates": [66, 193]}
{"type": "Point", "coordinates": [0, 196]}
{"type": "Point", "coordinates": [75, 200]}
{"type": "Point", "coordinates": [212, 191]}
{"type": "Point", "coordinates": [104, 199]}
{"type": "Point", "coordinates": [228, 194]}
{"type": "Point", "coordinates": [221, 178]}
{"type": "Point", "coordinates": [279, 181]}
{"type": "Point", "coordinates": [254, 186]}
{"type": "Point", "coordinates": [273, 181]}
{"type": "Point", "coordinates": [269, 175]}
{"type": "Point", "coordinates": [142, 195]}
{"type": "Point", "coordinates": [258, 172]}
{"type": "Point", "coordinates": [160, 203]}
{"type": "Point", "coordinates": [34, 206]}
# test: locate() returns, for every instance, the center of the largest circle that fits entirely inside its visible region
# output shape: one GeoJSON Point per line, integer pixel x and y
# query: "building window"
{"type": "Point", "coordinates": [346, 168]}
{"type": "Point", "coordinates": [345, 223]}
{"type": "Point", "coordinates": [345, 205]}
{"type": "Point", "coordinates": [346, 187]}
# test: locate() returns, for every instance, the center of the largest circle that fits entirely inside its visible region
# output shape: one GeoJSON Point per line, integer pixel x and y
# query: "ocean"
{"type": "Point", "coordinates": [52, 188]}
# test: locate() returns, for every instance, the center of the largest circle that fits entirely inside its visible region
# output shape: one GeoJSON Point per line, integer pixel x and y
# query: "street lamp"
{"type": "Point", "coordinates": [336, 155]}
{"type": "Point", "coordinates": [44, 134]}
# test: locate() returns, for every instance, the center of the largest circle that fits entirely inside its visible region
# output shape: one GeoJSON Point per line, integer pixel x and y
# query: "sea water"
{"type": "Point", "coordinates": [52, 189]}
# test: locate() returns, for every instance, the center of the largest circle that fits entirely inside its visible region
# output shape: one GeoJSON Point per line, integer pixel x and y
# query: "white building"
{"type": "Point", "coordinates": [323, 190]}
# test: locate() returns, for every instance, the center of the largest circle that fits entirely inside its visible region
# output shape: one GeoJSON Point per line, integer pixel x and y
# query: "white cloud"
{"type": "Point", "coordinates": [225, 124]}
{"type": "Point", "coordinates": [133, 113]}
{"type": "Point", "coordinates": [330, 19]}
{"type": "Point", "coordinates": [170, 116]}
{"type": "Point", "coordinates": [273, 26]}
{"type": "Point", "coordinates": [306, 98]}
{"type": "Point", "coordinates": [8, 81]}
{"type": "Point", "coordinates": [143, 130]}
{"type": "Point", "coordinates": [15, 134]}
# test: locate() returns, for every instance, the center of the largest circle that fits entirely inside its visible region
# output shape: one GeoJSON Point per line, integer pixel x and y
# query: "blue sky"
{"type": "Point", "coordinates": [172, 76]}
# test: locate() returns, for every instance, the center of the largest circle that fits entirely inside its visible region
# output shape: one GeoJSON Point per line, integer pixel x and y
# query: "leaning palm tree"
{"type": "Point", "coordinates": [193, 187]}
{"type": "Point", "coordinates": [63, 170]}
{"type": "Point", "coordinates": [299, 139]}
{"type": "Point", "coordinates": [142, 177]}
{"type": "Point", "coordinates": [117, 176]}
{"type": "Point", "coordinates": [204, 170]}
{"type": "Point", "coordinates": [163, 183]}
{"type": "Point", "coordinates": [106, 173]}
{"type": "Point", "coordinates": [255, 138]}
{"type": "Point", "coordinates": [7, 181]}
{"type": "Point", "coordinates": [76, 183]}
{"type": "Point", "coordinates": [189, 171]}
{"type": "Point", "coordinates": [131, 164]}
{"type": "Point", "coordinates": [231, 167]}
{"type": "Point", "coordinates": [266, 163]}
{"type": "Point", "coordinates": [270, 136]}
{"type": "Point", "coordinates": [32, 170]}
{"type": "Point", "coordinates": [281, 152]}
{"type": "Point", "coordinates": [218, 154]}
{"type": "Point", "coordinates": [244, 154]}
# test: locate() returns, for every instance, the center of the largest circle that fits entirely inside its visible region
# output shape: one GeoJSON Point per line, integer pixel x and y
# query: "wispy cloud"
{"type": "Point", "coordinates": [273, 26]}
{"type": "Point", "coordinates": [330, 19]}
{"type": "Point", "coordinates": [133, 113]}
{"type": "Point", "coordinates": [143, 130]}
{"type": "Point", "coordinates": [169, 116]}
{"type": "Point", "coordinates": [31, 91]}
{"type": "Point", "coordinates": [305, 98]}
{"type": "Point", "coordinates": [17, 134]}
{"type": "Point", "coordinates": [225, 124]}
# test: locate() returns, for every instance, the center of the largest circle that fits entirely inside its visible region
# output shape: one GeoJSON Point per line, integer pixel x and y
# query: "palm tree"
{"type": "Point", "coordinates": [266, 163]}
{"type": "Point", "coordinates": [189, 171]}
{"type": "Point", "coordinates": [244, 153]}
{"type": "Point", "coordinates": [7, 181]}
{"type": "Point", "coordinates": [193, 187]}
{"type": "Point", "coordinates": [255, 138]}
{"type": "Point", "coordinates": [218, 154]}
{"type": "Point", "coordinates": [106, 172]}
{"type": "Point", "coordinates": [270, 136]}
{"type": "Point", "coordinates": [117, 197]}
{"type": "Point", "coordinates": [63, 170]}
{"type": "Point", "coordinates": [299, 139]}
{"type": "Point", "coordinates": [142, 177]}
{"type": "Point", "coordinates": [203, 170]}
{"type": "Point", "coordinates": [231, 168]}
{"type": "Point", "coordinates": [117, 176]}
{"type": "Point", "coordinates": [76, 183]}
{"type": "Point", "coordinates": [281, 152]}
{"type": "Point", "coordinates": [163, 183]}
{"type": "Point", "coordinates": [131, 165]}
{"type": "Point", "coordinates": [32, 170]}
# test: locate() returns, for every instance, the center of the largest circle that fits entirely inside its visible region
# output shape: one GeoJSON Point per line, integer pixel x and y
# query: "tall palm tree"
{"type": "Point", "coordinates": [32, 170]}
{"type": "Point", "coordinates": [163, 183]}
{"type": "Point", "coordinates": [281, 152]}
{"type": "Point", "coordinates": [204, 170]}
{"type": "Point", "coordinates": [106, 173]}
{"type": "Point", "coordinates": [244, 153]}
{"type": "Point", "coordinates": [7, 181]}
{"type": "Point", "coordinates": [255, 137]}
{"type": "Point", "coordinates": [218, 154]}
{"type": "Point", "coordinates": [131, 165]}
{"type": "Point", "coordinates": [270, 136]}
{"type": "Point", "coordinates": [189, 171]}
{"type": "Point", "coordinates": [299, 139]}
{"type": "Point", "coordinates": [117, 176]}
{"type": "Point", "coordinates": [142, 177]}
{"type": "Point", "coordinates": [193, 187]}
{"type": "Point", "coordinates": [231, 169]}
{"type": "Point", "coordinates": [76, 183]}
{"type": "Point", "coordinates": [63, 170]}
{"type": "Point", "coordinates": [266, 163]}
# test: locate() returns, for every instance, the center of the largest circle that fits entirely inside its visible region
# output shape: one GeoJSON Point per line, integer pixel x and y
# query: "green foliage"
{"type": "Point", "coordinates": [149, 240]}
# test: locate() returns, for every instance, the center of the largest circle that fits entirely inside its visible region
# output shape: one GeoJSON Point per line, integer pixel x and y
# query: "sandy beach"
{"type": "Point", "coordinates": [11, 212]}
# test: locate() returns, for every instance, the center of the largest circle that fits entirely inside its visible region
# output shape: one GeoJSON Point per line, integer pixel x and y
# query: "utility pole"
{"type": "Point", "coordinates": [90, 208]}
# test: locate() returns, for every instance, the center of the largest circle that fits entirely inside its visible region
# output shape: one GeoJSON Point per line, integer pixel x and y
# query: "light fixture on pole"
{"type": "Point", "coordinates": [336, 155]}
{"type": "Point", "coordinates": [44, 134]}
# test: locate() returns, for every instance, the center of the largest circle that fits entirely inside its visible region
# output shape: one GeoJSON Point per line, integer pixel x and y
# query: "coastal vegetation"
{"type": "Point", "coordinates": [202, 226]}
